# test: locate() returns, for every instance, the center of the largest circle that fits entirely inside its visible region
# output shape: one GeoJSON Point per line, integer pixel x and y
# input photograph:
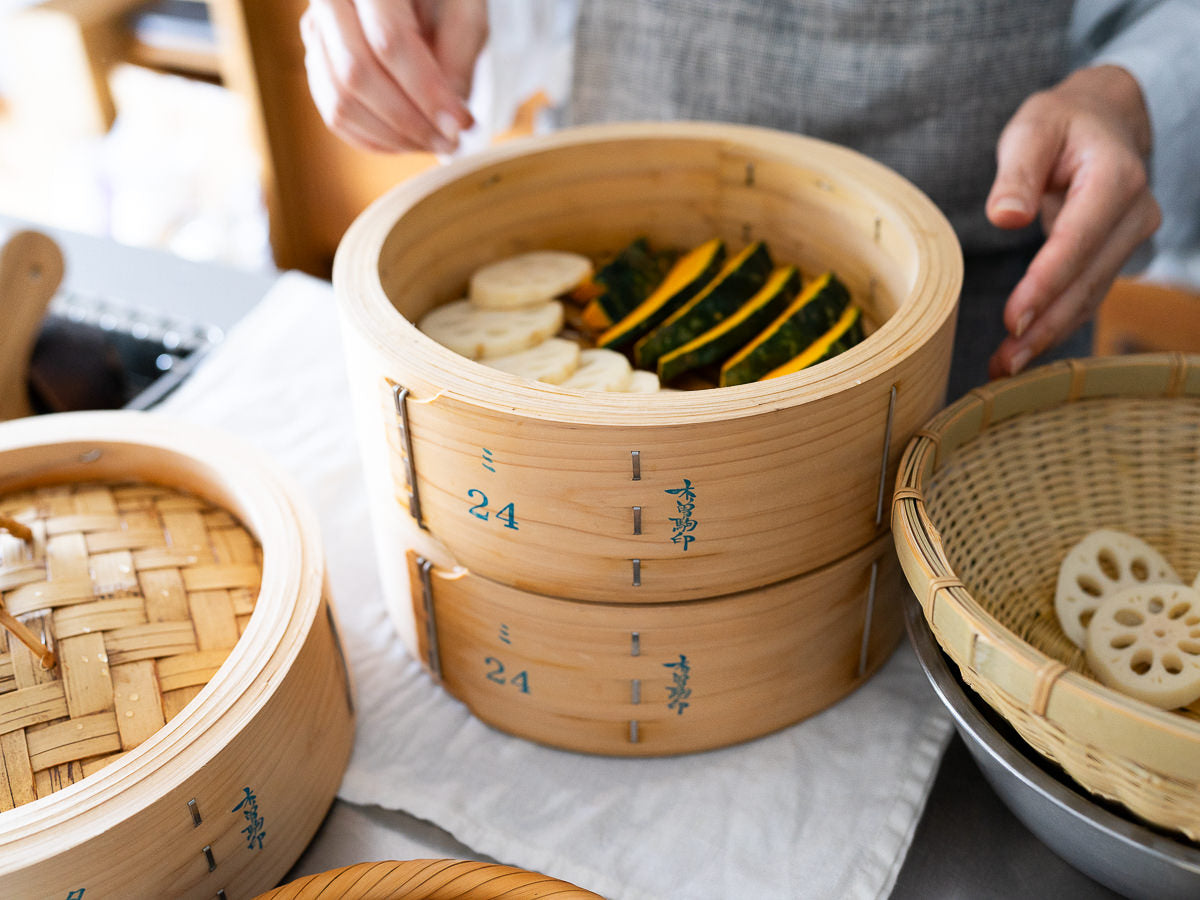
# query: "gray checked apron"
{"type": "Point", "coordinates": [923, 86]}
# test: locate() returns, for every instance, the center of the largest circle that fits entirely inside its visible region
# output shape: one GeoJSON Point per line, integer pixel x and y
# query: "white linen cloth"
{"type": "Point", "coordinates": [823, 809]}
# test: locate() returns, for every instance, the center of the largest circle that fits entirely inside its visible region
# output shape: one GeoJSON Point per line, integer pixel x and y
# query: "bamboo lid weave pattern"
{"type": "Point", "coordinates": [141, 591]}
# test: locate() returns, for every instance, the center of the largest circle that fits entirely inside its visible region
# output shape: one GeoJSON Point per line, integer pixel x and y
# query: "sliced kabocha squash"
{"type": "Point", "coordinates": [686, 278]}
{"type": "Point", "coordinates": [729, 334]}
{"type": "Point", "coordinates": [739, 279]}
{"type": "Point", "coordinates": [841, 337]}
{"type": "Point", "coordinates": [621, 284]}
{"type": "Point", "coordinates": [806, 319]}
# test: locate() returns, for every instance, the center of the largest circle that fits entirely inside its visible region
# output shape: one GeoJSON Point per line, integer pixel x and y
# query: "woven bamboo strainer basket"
{"type": "Point", "coordinates": [991, 495]}
{"type": "Point", "coordinates": [169, 670]}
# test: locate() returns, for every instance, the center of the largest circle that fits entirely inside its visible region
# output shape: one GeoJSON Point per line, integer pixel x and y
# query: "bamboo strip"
{"type": "Point", "coordinates": [16, 779]}
{"type": "Point", "coordinates": [163, 592]}
{"type": "Point", "coordinates": [32, 706]}
{"type": "Point", "coordinates": [41, 594]}
{"type": "Point", "coordinates": [221, 576]}
{"type": "Point", "coordinates": [150, 641]}
{"type": "Point", "coordinates": [73, 740]}
{"type": "Point", "coordinates": [86, 680]}
{"type": "Point", "coordinates": [99, 615]}
{"type": "Point", "coordinates": [137, 701]}
{"type": "Point", "coordinates": [176, 701]}
{"type": "Point", "coordinates": [137, 531]}
{"type": "Point", "coordinates": [189, 669]}
{"type": "Point", "coordinates": [29, 668]}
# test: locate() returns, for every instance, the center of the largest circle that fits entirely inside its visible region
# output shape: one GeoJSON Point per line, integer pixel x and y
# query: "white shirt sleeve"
{"type": "Point", "coordinates": [1158, 42]}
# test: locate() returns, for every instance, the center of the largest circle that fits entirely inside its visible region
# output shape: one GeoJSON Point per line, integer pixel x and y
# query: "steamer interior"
{"type": "Point", "coordinates": [593, 199]}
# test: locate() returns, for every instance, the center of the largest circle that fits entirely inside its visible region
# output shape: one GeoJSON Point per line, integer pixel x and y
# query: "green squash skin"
{"type": "Point", "coordinates": [677, 300]}
{"type": "Point", "coordinates": [708, 308]}
{"type": "Point", "coordinates": [854, 335]}
{"type": "Point", "coordinates": [808, 324]}
{"type": "Point", "coordinates": [673, 364]}
{"type": "Point", "coordinates": [630, 278]}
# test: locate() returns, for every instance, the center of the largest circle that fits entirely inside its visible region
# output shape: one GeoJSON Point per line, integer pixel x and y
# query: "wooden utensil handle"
{"type": "Point", "coordinates": [31, 269]}
{"type": "Point", "coordinates": [16, 529]}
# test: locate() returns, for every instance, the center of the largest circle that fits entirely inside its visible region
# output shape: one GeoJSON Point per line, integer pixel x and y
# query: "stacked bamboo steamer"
{"type": "Point", "coordinates": [173, 672]}
{"type": "Point", "coordinates": [524, 530]}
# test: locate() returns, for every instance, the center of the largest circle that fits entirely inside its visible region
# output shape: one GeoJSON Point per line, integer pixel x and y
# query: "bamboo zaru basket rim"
{"type": "Point", "coordinates": [905, 222]}
{"type": "Point", "coordinates": [125, 446]}
{"type": "Point", "coordinates": [1120, 748]}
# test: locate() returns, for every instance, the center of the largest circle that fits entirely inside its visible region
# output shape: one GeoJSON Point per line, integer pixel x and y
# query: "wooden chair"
{"type": "Point", "coordinates": [314, 183]}
{"type": "Point", "coordinates": [1141, 316]}
{"type": "Point", "coordinates": [64, 50]}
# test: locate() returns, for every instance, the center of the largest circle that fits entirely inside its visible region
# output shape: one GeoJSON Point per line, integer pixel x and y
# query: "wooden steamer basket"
{"type": "Point", "coordinates": [222, 798]}
{"type": "Point", "coordinates": [991, 495]}
{"type": "Point", "coordinates": [789, 475]}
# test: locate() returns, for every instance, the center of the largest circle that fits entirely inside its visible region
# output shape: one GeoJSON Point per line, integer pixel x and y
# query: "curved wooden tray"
{"type": "Point", "coordinates": [655, 679]}
{"type": "Point", "coordinates": [429, 879]}
{"type": "Point", "coordinates": [560, 492]}
{"type": "Point", "coordinates": [209, 802]}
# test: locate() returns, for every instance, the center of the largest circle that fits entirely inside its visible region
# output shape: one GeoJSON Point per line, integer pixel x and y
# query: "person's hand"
{"type": "Point", "coordinates": [1076, 154]}
{"type": "Point", "coordinates": [394, 75]}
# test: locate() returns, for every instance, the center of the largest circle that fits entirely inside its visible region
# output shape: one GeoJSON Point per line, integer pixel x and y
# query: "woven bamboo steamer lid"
{"type": "Point", "coordinates": [991, 495]}
{"type": "Point", "coordinates": [656, 679]}
{"type": "Point", "coordinates": [207, 803]}
{"type": "Point", "coordinates": [790, 474]}
{"type": "Point", "coordinates": [429, 879]}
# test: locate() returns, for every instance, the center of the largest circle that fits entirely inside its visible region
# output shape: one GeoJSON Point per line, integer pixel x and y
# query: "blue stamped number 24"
{"type": "Point", "coordinates": [506, 514]}
{"type": "Point", "coordinates": [495, 673]}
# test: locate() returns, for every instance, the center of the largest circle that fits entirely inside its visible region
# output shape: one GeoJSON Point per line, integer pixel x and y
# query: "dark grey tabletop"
{"type": "Point", "coordinates": [969, 845]}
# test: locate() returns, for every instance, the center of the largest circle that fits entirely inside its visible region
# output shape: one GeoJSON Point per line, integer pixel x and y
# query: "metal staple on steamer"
{"type": "Point", "coordinates": [431, 634]}
{"type": "Point", "coordinates": [883, 468]}
{"type": "Point", "coordinates": [400, 396]}
{"type": "Point", "coordinates": [887, 449]}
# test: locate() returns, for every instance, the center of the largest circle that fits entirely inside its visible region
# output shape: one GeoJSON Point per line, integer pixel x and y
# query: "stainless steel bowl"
{"type": "Point", "coordinates": [1131, 858]}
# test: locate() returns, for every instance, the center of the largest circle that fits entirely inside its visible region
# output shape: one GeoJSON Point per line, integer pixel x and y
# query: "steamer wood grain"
{"type": "Point", "coordinates": [692, 676]}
